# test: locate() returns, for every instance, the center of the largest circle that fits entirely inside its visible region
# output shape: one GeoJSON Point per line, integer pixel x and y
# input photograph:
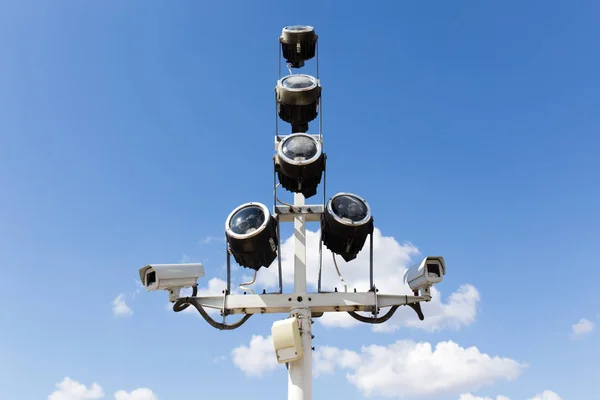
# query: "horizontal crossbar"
{"type": "Point", "coordinates": [317, 302]}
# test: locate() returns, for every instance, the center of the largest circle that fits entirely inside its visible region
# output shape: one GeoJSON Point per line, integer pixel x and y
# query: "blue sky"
{"type": "Point", "coordinates": [130, 130]}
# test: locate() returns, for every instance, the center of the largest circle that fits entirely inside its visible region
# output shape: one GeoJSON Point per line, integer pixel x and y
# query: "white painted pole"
{"type": "Point", "coordinates": [300, 371]}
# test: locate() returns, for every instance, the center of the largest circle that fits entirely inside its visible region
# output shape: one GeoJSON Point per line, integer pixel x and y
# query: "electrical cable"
{"type": "Point", "coordinates": [371, 320]}
{"type": "Point", "coordinates": [243, 285]}
{"type": "Point", "coordinates": [339, 273]}
{"type": "Point", "coordinates": [277, 198]}
{"type": "Point", "coordinates": [183, 306]}
{"type": "Point", "coordinates": [184, 302]}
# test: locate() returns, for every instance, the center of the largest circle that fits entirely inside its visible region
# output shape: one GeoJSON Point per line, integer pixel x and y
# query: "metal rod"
{"type": "Point", "coordinates": [276, 118]}
{"type": "Point", "coordinates": [228, 266]}
{"type": "Point", "coordinates": [279, 255]}
{"type": "Point", "coordinates": [300, 371]}
{"type": "Point", "coordinates": [278, 77]}
{"type": "Point", "coordinates": [275, 191]}
{"type": "Point", "coordinates": [320, 99]}
{"type": "Point", "coordinates": [371, 261]}
{"type": "Point", "coordinates": [317, 59]}
{"type": "Point", "coordinates": [320, 259]}
{"type": "Point", "coordinates": [320, 230]}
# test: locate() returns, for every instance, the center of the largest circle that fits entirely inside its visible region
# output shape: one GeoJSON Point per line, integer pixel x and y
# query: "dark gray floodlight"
{"type": "Point", "coordinates": [345, 224]}
{"type": "Point", "coordinates": [300, 163]}
{"type": "Point", "coordinates": [251, 233]}
{"type": "Point", "coordinates": [298, 44]}
{"type": "Point", "coordinates": [298, 100]}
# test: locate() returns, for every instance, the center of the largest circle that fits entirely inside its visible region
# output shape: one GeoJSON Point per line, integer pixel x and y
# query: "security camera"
{"type": "Point", "coordinates": [425, 274]}
{"type": "Point", "coordinates": [171, 277]}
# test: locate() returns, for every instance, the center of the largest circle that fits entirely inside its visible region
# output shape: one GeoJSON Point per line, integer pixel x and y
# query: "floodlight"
{"type": "Point", "coordinates": [298, 100]}
{"type": "Point", "coordinates": [298, 44]}
{"type": "Point", "coordinates": [345, 224]}
{"type": "Point", "coordinates": [251, 234]}
{"type": "Point", "coordinates": [300, 163]}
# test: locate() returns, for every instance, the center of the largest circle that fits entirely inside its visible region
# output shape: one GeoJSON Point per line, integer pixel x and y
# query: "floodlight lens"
{"type": "Point", "coordinates": [300, 148]}
{"type": "Point", "coordinates": [297, 82]}
{"type": "Point", "coordinates": [247, 220]}
{"type": "Point", "coordinates": [349, 207]}
{"type": "Point", "coordinates": [298, 28]}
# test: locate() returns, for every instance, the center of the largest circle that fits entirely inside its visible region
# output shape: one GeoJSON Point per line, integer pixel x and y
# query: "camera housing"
{"type": "Point", "coordinates": [171, 277]}
{"type": "Point", "coordinates": [428, 272]}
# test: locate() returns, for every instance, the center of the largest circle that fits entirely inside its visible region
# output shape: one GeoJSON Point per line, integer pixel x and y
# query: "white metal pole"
{"type": "Point", "coordinates": [300, 371]}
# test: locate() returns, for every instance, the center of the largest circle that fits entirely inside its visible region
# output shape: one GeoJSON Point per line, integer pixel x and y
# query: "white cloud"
{"type": "Point", "coordinates": [327, 358]}
{"type": "Point", "coordinates": [137, 394]}
{"type": "Point", "coordinates": [460, 310]}
{"type": "Point", "coordinates": [406, 367]}
{"type": "Point", "coordinates": [185, 259]}
{"type": "Point", "coordinates": [256, 359]}
{"type": "Point", "coordinates": [546, 395]}
{"type": "Point", "coordinates": [391, 259]}
{"type": "Point", "coordinates": [341, 320]}
{"type": "Point", "coordinates": [469, 396]}
{"type": "Point", "coordinates": [219, 359]}
{"type": "Point", "coordinates": [582, 328]}
{"type": "Point", "coordinates": [69, 389]}
{"type": "Point", "coordinates": [211, 239]}
{"type": "Point", "coordinates": [120, 307]}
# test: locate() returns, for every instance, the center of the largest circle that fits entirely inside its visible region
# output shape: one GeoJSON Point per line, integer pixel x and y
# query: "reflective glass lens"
{"type": "Point", "coordinates": [349, 207]}
{"type": "Point", "coordinates": [297, 82]}
{"type": "Point", "coordinates": [297, 28]}
{"type": "Point", "coordinates": [299, 148]}
{"type": "Point", "coordinates": [247, 220]}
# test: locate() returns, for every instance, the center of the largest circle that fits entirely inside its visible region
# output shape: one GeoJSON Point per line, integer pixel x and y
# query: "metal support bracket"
{"type": "Point", "coordinates": [312, 213]}
{"type": "Point", "coordinates": [317, 302]}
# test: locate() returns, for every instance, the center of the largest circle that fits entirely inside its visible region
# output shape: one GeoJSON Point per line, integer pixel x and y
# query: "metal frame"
{"type": "Point", "coordinates": [301, 304]}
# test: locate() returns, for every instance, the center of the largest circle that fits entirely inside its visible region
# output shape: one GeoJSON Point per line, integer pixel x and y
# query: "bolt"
{"type": "Point", "coordinates": [313, 348]}
{"type": "Point", "coordinates": [299, 298]}
{"type": "Point", "coordinates": [309, 299]}
{"type": "Point", "coordinates": [290, 299]}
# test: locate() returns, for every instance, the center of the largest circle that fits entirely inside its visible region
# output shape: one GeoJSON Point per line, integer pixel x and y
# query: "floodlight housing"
{"type": "Point", "coordinates": [298, 44]}
{"type": "Point", "coordinates": [345, 224]}
{"type": "Point", "coordinates": [300, 163]}
{"type": "Point", "coordinates": [298, 100]}
{"type": "Point", "coordinates": [251, 233]}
